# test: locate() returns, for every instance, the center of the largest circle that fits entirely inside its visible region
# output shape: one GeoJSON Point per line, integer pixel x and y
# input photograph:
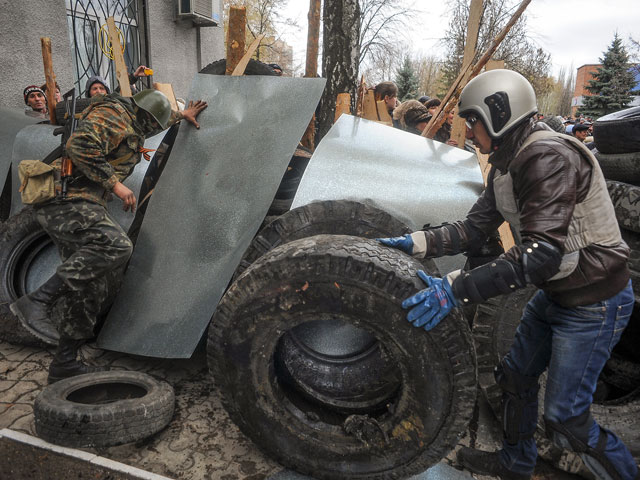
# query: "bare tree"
{"type": "Point", "coordinates": [340, 57]}
{"type": "Point", "coordinates": [557, 101]}
{"type": "Point", "coordinates": [517, 50]}
{"type": "Point", "coordinates": [382, 25]}
{"type": "Point", "coordinates": [429, 71]}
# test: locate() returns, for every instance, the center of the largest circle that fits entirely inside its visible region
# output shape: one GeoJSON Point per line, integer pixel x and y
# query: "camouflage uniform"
{"type": "Point", "coordinates": [94, 249]}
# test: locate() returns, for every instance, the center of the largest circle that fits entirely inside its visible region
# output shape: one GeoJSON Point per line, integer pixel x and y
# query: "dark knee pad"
{"type": "Point", "coordinates": [573, 434]}
{"type": "Point", "coordinates": [519, 403]}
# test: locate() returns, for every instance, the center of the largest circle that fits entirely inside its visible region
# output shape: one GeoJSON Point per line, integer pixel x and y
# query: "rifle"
{"type": "Point", "coordinates": [69, 127]}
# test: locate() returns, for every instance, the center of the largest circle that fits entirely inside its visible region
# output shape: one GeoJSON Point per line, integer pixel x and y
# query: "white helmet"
{"type": "Point", "coordinates": [502, 99]}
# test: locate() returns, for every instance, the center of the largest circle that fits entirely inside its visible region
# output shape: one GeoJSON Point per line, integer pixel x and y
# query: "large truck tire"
{"type": "Point", "coordinates": [5, 198]}
{"type": "Point", "coordinates": [28, 257]}
{"type": "Point", "coordinates": [494, 330]}
{"type": "Point", "coordinates": [362, 283]}
{"type": "Point", "coordinates": [254, 67]}
{"type": "Point", "coordinates": [349, 373]}
{"type": "Point", "coordinates": [335, 217]}
{"type": "Point", "coordinates": [622, 167]}
{"type": "Point", "coordinates": [618, 132]}
{"type": "Point", "coordinates": [103, 409]}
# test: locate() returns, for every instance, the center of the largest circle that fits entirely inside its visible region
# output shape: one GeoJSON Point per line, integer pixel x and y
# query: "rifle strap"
{"type": "Point", "coordinates": [56, 153]}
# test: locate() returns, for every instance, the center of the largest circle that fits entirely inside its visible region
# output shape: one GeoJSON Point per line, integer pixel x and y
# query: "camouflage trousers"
{"type": "Point", "coordinates": [94, 251]}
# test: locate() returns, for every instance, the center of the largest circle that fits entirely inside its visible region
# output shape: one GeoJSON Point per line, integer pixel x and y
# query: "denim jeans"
{"type": "Point", "coordinates": [573, 344]}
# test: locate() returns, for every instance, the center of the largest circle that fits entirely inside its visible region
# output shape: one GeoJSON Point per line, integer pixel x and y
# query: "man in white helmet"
{"type": "Point", "coordinates": [550, 189]}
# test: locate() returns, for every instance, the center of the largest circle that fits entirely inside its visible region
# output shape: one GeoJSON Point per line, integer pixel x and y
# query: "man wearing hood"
{"type": "Point", "coordinates": [94, 249]}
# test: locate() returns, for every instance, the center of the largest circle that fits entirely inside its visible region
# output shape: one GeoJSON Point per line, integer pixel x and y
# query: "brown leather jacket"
{"type": "Point", "coordinates": [549, 178]}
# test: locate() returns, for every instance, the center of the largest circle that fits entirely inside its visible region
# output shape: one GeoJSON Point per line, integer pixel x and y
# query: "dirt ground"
{"type": "Point", "coordinates": [201, 442]}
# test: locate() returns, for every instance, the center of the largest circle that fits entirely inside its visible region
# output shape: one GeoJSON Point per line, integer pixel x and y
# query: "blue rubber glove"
{"type": "Point", "coordinates": [432, 304]}
{"type": "Point", "coordinates": [404, 243]}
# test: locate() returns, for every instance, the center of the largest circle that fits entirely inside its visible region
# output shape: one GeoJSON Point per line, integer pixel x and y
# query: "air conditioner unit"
{"type": "Point", "coordinates": [204, 13]}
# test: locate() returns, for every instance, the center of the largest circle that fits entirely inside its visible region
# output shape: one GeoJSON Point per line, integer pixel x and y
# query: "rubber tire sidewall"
{"type": "Point", "coordinates": [618, 132]}
{"type": "Point", "coordinates": [72, 424]}
{"type": "Point", "coordinates": [13, 234]}
{"type": "Point", "coordinates": [364, 283]}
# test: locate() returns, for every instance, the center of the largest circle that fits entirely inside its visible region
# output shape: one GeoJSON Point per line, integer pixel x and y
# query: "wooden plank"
{"type": "Point", "coordinates": [458, 130]}
{"type": "Point", "coordinates": [118, 58]}
{"type": "Point", "coordinates": [167, 89]}
{"type": "Point", "coordinates": [235, 37]}
{"type": "Point", "coordinates": [244, 61]}
{"type": "Point", "coordinates": [466, 74]}
{"type": "Point", "coordinates": [343, 105]}
{"type": "Point", "coordinates": [50, 78]}
{"type": "Point", "coordinates": [369, 110]}
{"type": "Point", "coordinates": [383, 113]}
{"type": "Point", "coordinates": [311, 67]}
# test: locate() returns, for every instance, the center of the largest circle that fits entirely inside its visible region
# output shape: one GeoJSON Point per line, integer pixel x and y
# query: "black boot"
{"type": "Point", "coordinates": [487, 463]}
{"type": "Point", "coordinates": [65, 362]}
{"type": "Point", "coordinates": [33, 309]}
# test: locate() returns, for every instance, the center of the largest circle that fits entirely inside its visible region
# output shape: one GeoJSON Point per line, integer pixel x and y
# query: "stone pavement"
{"type": "Point", "coordinates": [201, 442]}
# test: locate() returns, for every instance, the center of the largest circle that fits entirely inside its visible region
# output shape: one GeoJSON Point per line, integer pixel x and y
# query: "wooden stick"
{"type": "Point", "coordinates": [50, 78]}
{"type": "Point", "coordinates": [383, 112]}
{"type": "Point", "coordinates": [118, 58]}
{"type": "Point", "coordinates": [167, 89]}
{"type": "Point", "coordinates": [244, 61]}
{"type": "Point", "coordinates": [466, 74]}
{"type": "Point", "coordinates": [343, 105]}
{"type": "Point", "coordinates": [235, 37]}
{"type": "Point", "coordinates": [458, 130]}
{"type": "Point", "coordinates": [311, 67]}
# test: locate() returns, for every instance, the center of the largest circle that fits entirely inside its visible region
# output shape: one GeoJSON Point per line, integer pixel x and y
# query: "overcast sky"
{"type": "Point", "coordinates": [574, 32]}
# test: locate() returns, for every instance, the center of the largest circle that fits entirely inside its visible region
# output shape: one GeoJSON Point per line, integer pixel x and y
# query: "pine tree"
{"type": "Point", "coordinates": [612, 83]}
{"type": "Point", "coordinates": [406, 81]}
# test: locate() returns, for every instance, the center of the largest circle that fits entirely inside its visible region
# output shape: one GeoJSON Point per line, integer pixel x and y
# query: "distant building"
{"type": "Point", "coordinates": [586, 73]}
{"type": "Point", "coordinates": [176, 45]}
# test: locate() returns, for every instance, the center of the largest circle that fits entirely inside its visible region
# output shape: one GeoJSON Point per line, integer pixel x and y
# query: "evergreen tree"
{"type": "Point", "coordinates": [612, 84]}
{"type": "Point", "coordinates": [406, 81]}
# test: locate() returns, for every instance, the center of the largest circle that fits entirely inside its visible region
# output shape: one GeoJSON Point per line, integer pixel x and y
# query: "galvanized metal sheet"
{"type": "Point", "coordinates": [416, 179]}
{"type": "Point", "coordinates": [11, 122]}
{"type": "Point", "coordinates": [206, 208]}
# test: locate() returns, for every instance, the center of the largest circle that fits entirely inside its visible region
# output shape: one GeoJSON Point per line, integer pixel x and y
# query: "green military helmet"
{"type": "Point", "coordinates": [156, 104]}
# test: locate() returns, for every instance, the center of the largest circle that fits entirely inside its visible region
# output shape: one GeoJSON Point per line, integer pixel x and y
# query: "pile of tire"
{"type": "Point", "coordinates": [617, 398]}
{"type": "Point", "coordinates": [311, 351]}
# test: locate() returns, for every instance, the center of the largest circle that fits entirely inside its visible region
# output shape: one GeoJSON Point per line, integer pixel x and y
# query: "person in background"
{"type": "Point", "coordinates": [411, 116]}
{"type": "Point", "coordinates": [581, 131]}
{"type": "Point", "coordinates": [35, 101]}
{"type": "Point", "coordinates": [432, 105]}
{"type": "Point", "coordinates": [444, 132]}
{"type": "Point", "coordinates": [96, 85]}
{"type": "Point", "coordinates": [58, 96]}
{"type": "Point", "coordinates": [388, 92]}
{"type": "Point", "coordinates": [424, 99]}
{"type": "Point", "coordinates": [555, 123]}
{"type": "Point", "coordinates": [276, 68]}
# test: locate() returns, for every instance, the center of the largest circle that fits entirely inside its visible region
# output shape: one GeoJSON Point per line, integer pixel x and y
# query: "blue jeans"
{"type": "Point", "coordinates": [573, 344]}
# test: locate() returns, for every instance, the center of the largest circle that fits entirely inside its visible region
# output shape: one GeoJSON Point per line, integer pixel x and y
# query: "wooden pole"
{"type": "Point", "coordinates": [118, 58]}
{"type": "Point", "coordinates": [50, 78]}
{"type": "Point", "coordinates": [311, 67]}
{"type": "Point", "coordinates": [235, 37]}
{"type": "Point", "coordinates": [343, 105]}
{"type": "Point", "coordinates": [458, 130]}
{"type": "Point", "coordinates": [451, 98]}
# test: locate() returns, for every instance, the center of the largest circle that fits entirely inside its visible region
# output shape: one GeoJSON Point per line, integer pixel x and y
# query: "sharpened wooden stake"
{"type": "Point", "coordinates": [235, 37]}
{"type": "Point", "coordinates": [118, 58]}
{"type": "Point", "coordinates": [50, 78]}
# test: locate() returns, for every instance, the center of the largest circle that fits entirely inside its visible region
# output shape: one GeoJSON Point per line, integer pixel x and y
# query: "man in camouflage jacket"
{"type": "Point", "coordinates": [94, 249]}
